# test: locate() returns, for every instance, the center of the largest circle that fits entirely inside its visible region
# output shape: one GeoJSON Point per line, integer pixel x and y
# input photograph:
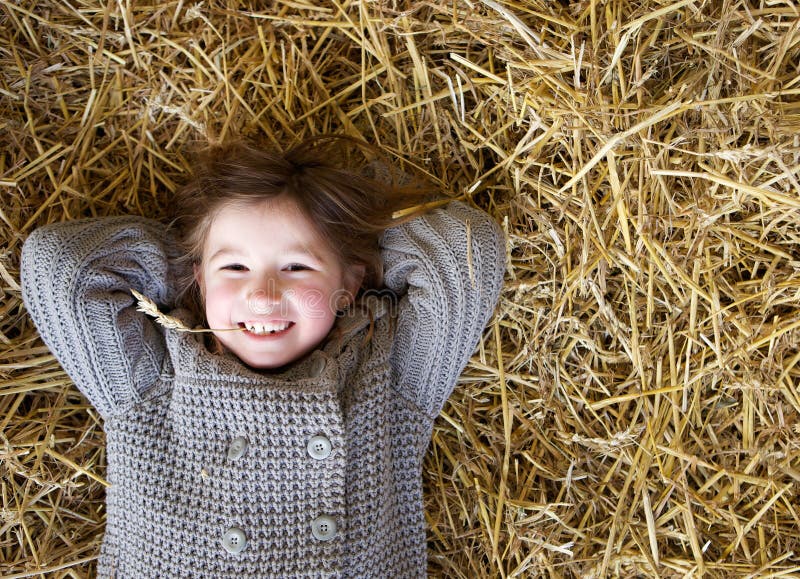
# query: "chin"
{"type": "Point", "coordinates": [261, 364]}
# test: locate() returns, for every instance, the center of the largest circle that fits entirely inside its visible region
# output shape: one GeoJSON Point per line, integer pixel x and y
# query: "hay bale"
{"type": "Point", "coordinates": [633, 409]}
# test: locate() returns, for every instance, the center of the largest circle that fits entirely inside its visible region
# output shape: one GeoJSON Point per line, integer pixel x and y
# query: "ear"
{"type": "Point", "coordinates": [353, 278]}
{"type": "Point", "coordinates": [197, 271]}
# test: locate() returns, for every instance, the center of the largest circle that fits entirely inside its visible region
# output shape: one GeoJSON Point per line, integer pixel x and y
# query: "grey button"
{"type": "Point", "coordinates": [237, 448]}
{"type": "Point", "coordinates": [234, 540]}
{"type": "Point", "coordinates": [323, 528]}
{"type": "Point", "coordinates": [317, 366]}
{"type": "Point", "coordinates": [319, 447]}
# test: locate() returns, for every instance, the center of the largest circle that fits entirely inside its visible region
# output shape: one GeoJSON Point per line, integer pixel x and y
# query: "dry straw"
{"type": "Point", "coordinates": [633, 409]}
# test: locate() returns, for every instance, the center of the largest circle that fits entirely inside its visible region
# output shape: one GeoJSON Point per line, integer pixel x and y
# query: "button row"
{"type": "Point", "coordinates": [319, 447]}
{"type": "Point", "coordinates": [323, 528]}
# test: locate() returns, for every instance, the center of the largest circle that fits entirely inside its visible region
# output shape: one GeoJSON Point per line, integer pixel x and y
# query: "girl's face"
{"type": "Point", "coordinates": [265, 269]}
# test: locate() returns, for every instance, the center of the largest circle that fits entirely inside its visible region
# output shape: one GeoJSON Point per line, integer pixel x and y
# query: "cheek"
{"type": "Point", "coordinates": [218, 299]}
{"type": "Point", "coordinates": [315, 301]}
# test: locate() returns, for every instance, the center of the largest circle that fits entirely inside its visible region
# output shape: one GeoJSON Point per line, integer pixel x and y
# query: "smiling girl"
{"type": "Point", "coordinates": [266, 270]}
{"type": "Point", "coordinates": [291, 442]}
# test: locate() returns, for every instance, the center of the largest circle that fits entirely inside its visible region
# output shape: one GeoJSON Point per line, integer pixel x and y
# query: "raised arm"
{"type": "Point", "coordinates": [76, 281]}
{"type": "Point", "coordinates": [448, 266]}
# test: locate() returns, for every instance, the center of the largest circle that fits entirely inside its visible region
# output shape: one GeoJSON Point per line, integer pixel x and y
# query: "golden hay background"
{"type": "Point", "coordinates": [633, 410]}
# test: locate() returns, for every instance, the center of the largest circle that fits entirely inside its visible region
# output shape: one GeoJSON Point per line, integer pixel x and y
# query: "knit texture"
{"type": "Point", "coordinates": [172, 409]}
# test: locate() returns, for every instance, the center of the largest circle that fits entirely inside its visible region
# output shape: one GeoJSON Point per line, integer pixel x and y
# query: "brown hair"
{"type": "Point", "coordinates": [350, 205]}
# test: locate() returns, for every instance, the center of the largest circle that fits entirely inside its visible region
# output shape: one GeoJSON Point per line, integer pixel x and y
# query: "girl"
{"type": "Point", "coordinates": [291, 442]}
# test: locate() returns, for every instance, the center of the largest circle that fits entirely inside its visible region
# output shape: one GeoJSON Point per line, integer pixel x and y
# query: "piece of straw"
{"type": "Point", "coordinates": [149, 307]}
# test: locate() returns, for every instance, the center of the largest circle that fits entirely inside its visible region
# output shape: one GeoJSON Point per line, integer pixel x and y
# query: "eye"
{"type": "Point", "coordinates": [297, 267]}
{"type": "Point", "coordinates": [234, 267]}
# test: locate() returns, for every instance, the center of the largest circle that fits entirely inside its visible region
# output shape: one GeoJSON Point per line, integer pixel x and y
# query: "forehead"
{"type": "Point", "coordinates": [275, 224]}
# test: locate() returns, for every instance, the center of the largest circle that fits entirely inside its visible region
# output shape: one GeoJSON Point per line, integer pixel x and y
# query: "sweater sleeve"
{"type": "Point", "coordinates": [76, 280]}
{"type": "Point", "coordinates": [449, 290]}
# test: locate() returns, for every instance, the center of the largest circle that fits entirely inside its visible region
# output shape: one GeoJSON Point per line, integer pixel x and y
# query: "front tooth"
{"type": "Point", "coordinates": [267, 328]}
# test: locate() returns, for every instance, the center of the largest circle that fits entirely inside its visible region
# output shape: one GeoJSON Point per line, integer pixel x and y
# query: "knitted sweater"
{"type": "Point", "coordinates": [217, 470]}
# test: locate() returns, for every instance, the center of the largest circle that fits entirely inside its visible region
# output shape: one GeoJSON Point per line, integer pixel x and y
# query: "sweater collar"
{"type": "Point", "coordinates": [191, 357]}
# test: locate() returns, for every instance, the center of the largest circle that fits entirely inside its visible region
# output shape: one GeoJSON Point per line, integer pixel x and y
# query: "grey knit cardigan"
{"type": "Point", "coordinates": [217, 470]}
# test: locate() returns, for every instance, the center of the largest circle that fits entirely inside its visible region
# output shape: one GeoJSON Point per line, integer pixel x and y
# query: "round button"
{"type": "Point", "coordinates": [319, 447]}
{"type": "Point", "coordinates": [317, 366]}
{"type": "Point", "coordinates": [323, 528]}
{"type": "Point", "coordinates": [237, 448]}
{"type": "Point", "coordinates": [234, 540]}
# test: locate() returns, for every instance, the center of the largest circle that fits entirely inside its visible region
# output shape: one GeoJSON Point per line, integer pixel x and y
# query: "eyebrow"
{"type": "Point", "coordinates": [222, 252]}
{"type": "Point", "coordinates": [294, 249]}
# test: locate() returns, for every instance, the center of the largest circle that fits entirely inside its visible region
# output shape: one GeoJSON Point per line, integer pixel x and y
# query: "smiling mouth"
{"type": "Point", "coordinates": [266, 328]}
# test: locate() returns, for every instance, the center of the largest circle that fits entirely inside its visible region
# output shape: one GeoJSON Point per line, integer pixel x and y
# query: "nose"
{"type": "Point", "coordinates": [264, 298]}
